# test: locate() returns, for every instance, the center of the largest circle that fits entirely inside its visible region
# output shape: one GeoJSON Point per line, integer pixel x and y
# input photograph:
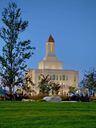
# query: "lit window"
{"type": "Point", "coordinates": [53, 77]}
{"type": "Point", "coordinates": [66, 77]}
{"type": "Point", "coordinates": [60, 77]}
{"type": "Point", "coordinates": [56, 77]}
{"type": "Point", "coordinates": [74, 78]}
{"type": "Point", "coordinates": [38, 77]}
{"type": "Point", "coordinates": [63, 77]}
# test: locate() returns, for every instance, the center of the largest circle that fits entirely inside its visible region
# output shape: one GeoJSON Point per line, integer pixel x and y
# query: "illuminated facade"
{"type": "Point", "coordinates": [51, 66]}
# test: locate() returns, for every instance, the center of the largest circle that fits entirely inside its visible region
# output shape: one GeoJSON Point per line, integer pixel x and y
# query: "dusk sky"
{"type": "Point", "coordinates": [72, 24]}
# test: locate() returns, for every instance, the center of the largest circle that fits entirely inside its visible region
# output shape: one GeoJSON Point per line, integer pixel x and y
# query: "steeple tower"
{"type": "Point", "coordinates": [50, 60]}
{"type": "Point", "coordinates": [50, 46]}
{"type": "Point", "coordinates": [50, 39]}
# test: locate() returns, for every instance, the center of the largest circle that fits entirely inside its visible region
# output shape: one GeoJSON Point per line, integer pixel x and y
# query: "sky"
{"type": "Point", "coordinates": [72, 23]}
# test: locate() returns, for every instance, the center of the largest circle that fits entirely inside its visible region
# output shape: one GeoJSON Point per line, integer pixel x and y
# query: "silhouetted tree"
{"type": "Point", "coordinates": [44, 84]}
{"type": "Point", "coordinates": [28, 86]}
{"type": "Point", "coordinates": [27, 90]}
{"type": "Point", "coordinates": [89, 81]}
{"type": "Point", "coordinates": [47, 86]}
{"type": "Point", "coordinates": [55, 87]}
{"type": "Point", "coordinates": [72, 90]}
{"type": "Point", "coordinates": [15, 52]}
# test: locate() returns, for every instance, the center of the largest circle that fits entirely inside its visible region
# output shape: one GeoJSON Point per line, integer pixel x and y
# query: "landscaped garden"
{"type": "Point", "coordinates": [15, 114]}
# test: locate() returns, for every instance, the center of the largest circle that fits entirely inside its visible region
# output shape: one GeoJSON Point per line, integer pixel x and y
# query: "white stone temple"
{"type": "Point", "coordinates": [50, 65]}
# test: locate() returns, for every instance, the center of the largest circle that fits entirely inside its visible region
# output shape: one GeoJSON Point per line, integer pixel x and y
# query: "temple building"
{"type": "Point", "coordinates": [50, 65]}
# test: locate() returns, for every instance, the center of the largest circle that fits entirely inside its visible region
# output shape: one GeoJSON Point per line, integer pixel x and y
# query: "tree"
{"type": "Point", "coordinates": [72, 90]}
{"type": "Point", "coordinates": [55, 88]}
{"type": "Point", "coordinates": [27, 90]}
{"type": "Point", "coordinates": [47, 86]}
{"type": "Point", "coordinates": [15, 51]}
{"type": "Point", "coordinates": [89, 81]}
{"type": "Point", "coordinates": [44, 84]}
{"type": "Point", "coordinates": [28, 86]}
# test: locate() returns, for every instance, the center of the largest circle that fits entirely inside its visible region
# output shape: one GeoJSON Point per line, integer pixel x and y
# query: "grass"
{"type": "Point", "coordinates": [47, 115]}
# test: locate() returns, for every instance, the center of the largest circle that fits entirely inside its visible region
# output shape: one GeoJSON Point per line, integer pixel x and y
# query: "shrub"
{"type": "Point", "coordinates": [2, 98]}
{"type": "Point", "coordinates": [93, 98]}
{"type": "Point", "coordinates": [65, 98]}
{"type": "Point", "coordinates": [38, 97]}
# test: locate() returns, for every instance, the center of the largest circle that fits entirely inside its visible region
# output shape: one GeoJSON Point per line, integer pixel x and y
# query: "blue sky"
{"type": "Point", "coordinates": [72, 24]}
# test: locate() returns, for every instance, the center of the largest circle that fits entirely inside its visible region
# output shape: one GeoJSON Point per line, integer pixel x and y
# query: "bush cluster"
{"type": "Point", "coordinates": [39, 97]}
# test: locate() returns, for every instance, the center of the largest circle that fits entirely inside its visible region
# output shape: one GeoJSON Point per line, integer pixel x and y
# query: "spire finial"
{"type": "Point", "coordinates": [50, 39]}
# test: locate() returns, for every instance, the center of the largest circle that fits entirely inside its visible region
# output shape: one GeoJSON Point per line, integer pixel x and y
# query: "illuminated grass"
{"type": "Point", "coordinates": [47, 115]}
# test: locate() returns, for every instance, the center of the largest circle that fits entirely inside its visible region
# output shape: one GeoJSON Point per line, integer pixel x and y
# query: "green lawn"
{"type": "Point", "coordinates": [47, 115]}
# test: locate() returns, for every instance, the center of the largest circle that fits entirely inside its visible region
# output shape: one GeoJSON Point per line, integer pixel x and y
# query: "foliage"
{"type": "Point", "coordinates": [28, 85]}
{"type": "Point", "coordinates": [72, 90]}
{"type": "Point", "coordinates": [44, 84]}
{"type": "Point", "coordinates": [65, 97]}
{"type": "Point", "coordinates": [15, 52]}
{"type": "Point", "coordinates": [38, 97]}
{"type": "Point", "coordinates": [47, 86]}
{"type": "Point", "coordinates": [27, 89]}
{"type": "Point", "coordinates": [93, 98]}
{"type": "Point", "coordinates": [89, 81]}
{"type": "Point", "coordinates": [83, 91]}
{"type": "Point", "coordinates": [55, 88]}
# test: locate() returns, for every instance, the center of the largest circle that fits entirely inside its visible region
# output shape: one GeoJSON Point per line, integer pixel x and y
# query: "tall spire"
{"type": "Point", "coordinates": [50, 60]}
{"type": "Point", "coordinates": [50, 39]}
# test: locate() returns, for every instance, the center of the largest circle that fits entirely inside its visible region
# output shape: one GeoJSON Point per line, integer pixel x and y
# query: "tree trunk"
{"type": "Point", "coordinates": [11, 97]}
{"type": "Point", "coordinates": [10, 90]}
